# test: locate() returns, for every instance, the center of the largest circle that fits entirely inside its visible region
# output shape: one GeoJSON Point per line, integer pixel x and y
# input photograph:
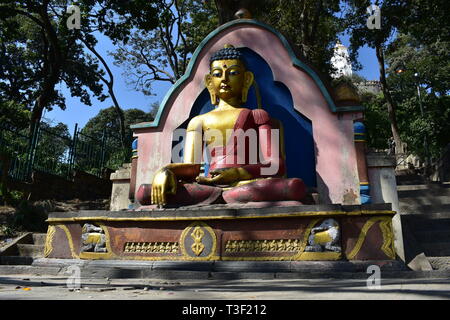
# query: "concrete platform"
{"type": "Point", "coordinates": [120, 269]}
{"type": "Point", "coordinates": [250, 232]}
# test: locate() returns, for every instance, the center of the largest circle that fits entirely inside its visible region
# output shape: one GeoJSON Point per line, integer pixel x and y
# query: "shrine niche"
{"type": "Point", "coordinates": [198, 201]}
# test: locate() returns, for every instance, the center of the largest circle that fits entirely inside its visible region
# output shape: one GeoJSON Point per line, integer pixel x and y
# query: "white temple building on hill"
{"type": "Point", "coordinates": [341, 62]}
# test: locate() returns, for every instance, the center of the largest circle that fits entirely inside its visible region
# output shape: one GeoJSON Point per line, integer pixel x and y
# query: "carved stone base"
{"type": "Point", "coordinates": [223, 233]}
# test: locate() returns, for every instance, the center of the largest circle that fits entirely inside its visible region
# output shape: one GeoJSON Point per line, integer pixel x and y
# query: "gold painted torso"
{"type": "Point", "coordinates": [222, 121]}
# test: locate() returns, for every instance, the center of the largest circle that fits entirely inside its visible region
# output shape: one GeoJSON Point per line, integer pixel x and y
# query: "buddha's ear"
{"type": "Point", "coordinates": [248, 80]}
{"type": "Point", "coordinates": [209, 86]}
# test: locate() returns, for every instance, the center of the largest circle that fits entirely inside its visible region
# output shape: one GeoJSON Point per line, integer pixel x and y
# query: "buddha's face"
{"type": "Point", "coordinates": [227, 78]}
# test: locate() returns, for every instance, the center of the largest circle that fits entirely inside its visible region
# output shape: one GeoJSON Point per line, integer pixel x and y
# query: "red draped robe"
{"type": "Point", "coordinates": [230, 156]}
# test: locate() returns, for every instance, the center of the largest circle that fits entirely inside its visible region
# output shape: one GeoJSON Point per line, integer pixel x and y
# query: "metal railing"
{"type": "Point", "coordinates": [47, 151]}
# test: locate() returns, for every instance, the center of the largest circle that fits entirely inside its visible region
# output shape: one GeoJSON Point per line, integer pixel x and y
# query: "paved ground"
{"type": "Point", "coordinates": [24, 287]}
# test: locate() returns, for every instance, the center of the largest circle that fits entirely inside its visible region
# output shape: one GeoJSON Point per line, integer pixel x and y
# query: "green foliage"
{"type": "Point", "coordinates": [433, 125]}
{"type": "Point", "coordinates": [423, 65]}
{"type": "Point", "coordinates": [311, 26]}
{"type": "Point", "coordinates": [429, 60]}
{"type": "Point", "coordinates": [52, 149]}
{"type": "Point", "coordinates": [392, 14]}
{"type": "Point", "coordinates": [376, 121]}
{"type": "Point", "coordinates": [38, 50]}
{"type": "Point", "coordinates": [204, 19]}
{"type": "Point", "coordinates": [415, 38]}
{"type": "Point", "coordinates": [14, 113]}
{"type": "Point", "coordinates": [163, 54]}
{"type": "Point", "coordinates": [106, 122]}
{"type": "Point", "coordinates": [8, 230]}
{"type": "Point", "coordinates": [427, 21]}
{"type": "Point", "coordinates": [29, 217]}
{"type": "Point", "coordinates": [10, 197]}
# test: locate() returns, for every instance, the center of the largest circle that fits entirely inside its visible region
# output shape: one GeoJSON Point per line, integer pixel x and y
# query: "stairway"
{"type": "Point", "coordinates": [425, 213]}
{"type": "Point", "coordinates": [24, 250]}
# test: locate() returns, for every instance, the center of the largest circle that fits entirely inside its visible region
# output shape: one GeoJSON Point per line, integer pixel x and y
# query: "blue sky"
{"type": "Point", "coordinates": [77, 112]}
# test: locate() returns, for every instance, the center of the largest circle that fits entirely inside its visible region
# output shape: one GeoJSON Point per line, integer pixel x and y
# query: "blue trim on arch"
{"type": "Point", "coordinates": [277, 100]}
{"type": "Point", "coordinates": [295, 61]}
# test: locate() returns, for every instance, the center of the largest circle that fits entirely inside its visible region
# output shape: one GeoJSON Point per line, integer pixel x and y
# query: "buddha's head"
{"type": "Point", "coordinates": [228, 78]}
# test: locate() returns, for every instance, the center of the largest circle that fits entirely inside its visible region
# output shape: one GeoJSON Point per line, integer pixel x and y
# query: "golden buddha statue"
{"type": "Point", "coordinates": [235, 136]}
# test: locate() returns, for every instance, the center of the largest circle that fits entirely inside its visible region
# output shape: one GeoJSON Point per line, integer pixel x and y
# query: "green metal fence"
{"type": "Point", "coordinates": [52, 153]}
{"type": "Point", "coordinates": [15, 143]}
{"type": "Point", "coordinates": [56, 154]}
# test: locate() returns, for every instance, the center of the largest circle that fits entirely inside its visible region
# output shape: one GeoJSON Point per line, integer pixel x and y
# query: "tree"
{"type": "Point", "coordinates": [54, 53]}
{"type": "Point", "coordinates": [109, 82]}
{"type": "Point", "coordinates": [312, 27]}
{"type": "Point", "coordinates": [227, 9]}
{"type": "Point", "coordinates": [427, 21]}
{"type": "Point", "coordinates": [391, 19]}
{"type": "Point", "coordinates": [163, 54]}
{"type": "Point", "coordinates": [429, 60]}
{"type": "Point", "coordinates": [425, 67]}
{"type": "Point", "coordinates": [14, 113]}
{"type": "Point", "coordinates": [376, 120]}
{"type": "Point", "coordinates": [53, 143]}
{"type": "Point", "coordinates": [106, 121]}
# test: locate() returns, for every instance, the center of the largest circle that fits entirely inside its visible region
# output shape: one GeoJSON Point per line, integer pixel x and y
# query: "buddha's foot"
{"type": "Point", "coordinates": [276, 189]}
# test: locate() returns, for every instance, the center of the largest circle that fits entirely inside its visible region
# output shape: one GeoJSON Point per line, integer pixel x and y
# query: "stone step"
{"type": "Point", "coordinates": [424, 222]}
{"type": "Point", "coordinates": [424, 186]}
{"type": "Point", "coordinates": [437, 220]}
{"type": "Point", "coordinates": [39, 238]}
{"type": "Point", "coordinates": [436, 249]}
{"type": "Point", "coordinates": [428, 216]}
{"type": "Point", "coordinates": [433, 235]}
{"type": "Point", "coordinates": [423, 189]}
{"type": "Point", "coordinates": [425, 200]}
{"type": "Point", "coordinates": [440, 263]}
{"type": "Point", "coordinates": [15, 260]}
{"type": "Point", "coordinates": [409, 179]}
{"type": "Point", "coordinates": [31, 250]}
{"type": "Point", "coordinates": [422, 193]}
{"type": "Point", "coordinates": [424, 209]}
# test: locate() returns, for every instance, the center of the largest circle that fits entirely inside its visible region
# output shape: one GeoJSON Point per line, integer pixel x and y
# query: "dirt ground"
{"type": "Point", "coordinates": [7, 233]}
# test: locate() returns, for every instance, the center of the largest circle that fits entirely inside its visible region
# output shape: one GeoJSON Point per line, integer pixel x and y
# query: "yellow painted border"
{"type": "Point", "coordinates": [69, 239]}
{"type": "Point", "coordinates": [385, 226]}
{"type": "Point", "coordinates": [276, 215]}
{"type": "Point", "coordinates": [48, 248]}
{"type": "Point", "coordinates": [388, 238]}
{"type": "Point", "coordinates": [319, 256]}
{"type": "Point", "coordinates": [386, 229]}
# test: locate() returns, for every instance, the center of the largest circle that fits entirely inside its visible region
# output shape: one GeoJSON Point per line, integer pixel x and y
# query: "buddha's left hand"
{"type": "Point", "coordinates": [225, 176]}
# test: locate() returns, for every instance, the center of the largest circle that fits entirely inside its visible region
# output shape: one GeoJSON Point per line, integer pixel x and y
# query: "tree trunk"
{"type": "Point", "coordinates": [44, 97]}
{"type": "Point", "coordinates": [120, 116]}
{"type": "Point", "coordinates": [390, 102]}
{"type": "Point", "coordinates": [53, 61]}
{"type": "Point", "coordinates": [110, 85]}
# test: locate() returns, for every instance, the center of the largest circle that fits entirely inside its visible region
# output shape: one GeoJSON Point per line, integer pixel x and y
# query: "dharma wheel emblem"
{"type": "Point", "coordinates": [197, 247]}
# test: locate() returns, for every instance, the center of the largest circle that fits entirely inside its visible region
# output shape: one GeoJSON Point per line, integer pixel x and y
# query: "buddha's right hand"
{"type": "Point", "coordinates": [164, 183]}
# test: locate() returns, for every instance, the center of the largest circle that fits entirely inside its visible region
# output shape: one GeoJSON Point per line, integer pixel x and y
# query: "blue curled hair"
{"type": "Point", "coordinates": [229, 53]}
